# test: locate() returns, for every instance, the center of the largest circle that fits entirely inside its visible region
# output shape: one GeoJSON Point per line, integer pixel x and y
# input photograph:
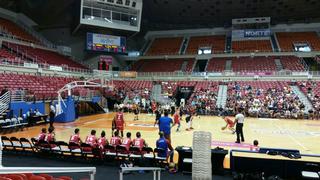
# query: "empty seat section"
{"type": "Point", "coordinates": [287, 39]}
{"type": "Point", "coordinates": [252, 46]}
{"type": "Point", "coordinates": [217, 64]}
{"type": "Point", "coordinates": [10, 28]}
{"type": "Point", "coordinates": [190, 65]}
{"type": "Point", "coordinates": [44, 56]}
{"type": "Point", "coordinates": [4, 54]}
{"type": "Point", "coordinates": [38, 86]}
{"type": "Point", "coordinates": [161, 65]}
{"type": "Point", "coordinates": [165, 46]}
{"type": "Point", "coordinates": [291, 63]}
{"type": "Point", "coordinates": [216, 42]}
{"type": "Point", "coordinates": [253, 64]}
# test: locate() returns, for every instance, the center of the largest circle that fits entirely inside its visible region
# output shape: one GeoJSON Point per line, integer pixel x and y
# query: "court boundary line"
{"type": "Point", "coordinates": [293, 139]}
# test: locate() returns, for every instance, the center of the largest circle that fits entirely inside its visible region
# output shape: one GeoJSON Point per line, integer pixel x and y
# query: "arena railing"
{"type": "Point", "coordinates": [20, 63]}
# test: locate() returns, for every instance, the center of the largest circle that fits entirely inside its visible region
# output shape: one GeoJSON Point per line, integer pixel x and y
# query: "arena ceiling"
{"type": "Point", "coordinates": [173, 14]}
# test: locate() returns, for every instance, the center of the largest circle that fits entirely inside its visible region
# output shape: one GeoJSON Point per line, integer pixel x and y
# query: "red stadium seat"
{"type": "Point", "coordinates": [34, 177]}
{"type": "Point", "coordinates": [216, 42]}
{"type": "Point", "coordinates": [252, 46]}
{"type": "Point", "coordinates": [165, 46]}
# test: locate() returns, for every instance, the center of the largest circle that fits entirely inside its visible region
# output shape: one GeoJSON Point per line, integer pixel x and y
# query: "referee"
{"type": "Point", "coordinates": [239, 127]}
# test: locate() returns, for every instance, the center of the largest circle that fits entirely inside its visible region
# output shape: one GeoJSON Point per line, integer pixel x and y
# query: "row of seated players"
{"type": "Point", "coordinates": [100, 143]}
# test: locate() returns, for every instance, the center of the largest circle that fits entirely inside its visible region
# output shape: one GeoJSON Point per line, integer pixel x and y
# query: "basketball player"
{"type": "Point", "coordinates": [177, 118]}
{"type": "Point", "coordinates": [139, 142]}
{"type": "Point", "coordinates": [92, 139]}
{"type": "Point", "coordinates": [102, 141]}
{"type": "Point", "coordinates": [51, 135]}
{"type": "Point", "coordinates": [119, 121]}
{"type": "Point", "coordinates": [189, 117]}
{"type": "Point", "coordinates": [127, 142]}
{"type": "Point", "coordinates": [135, 109]}
{"type": "Point", "coordinates": [153, 107]}
{"type": "Point", "coordinates": [42, 135]}
{"type": "Point", "coordinates": [115, 140]}
{"type": "Point", "coordinates": [75, 138]}
{"type": "Point", "coordinates": [229, 124]}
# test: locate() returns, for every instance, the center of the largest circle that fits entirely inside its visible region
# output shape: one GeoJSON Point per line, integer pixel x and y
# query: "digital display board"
{"type": "Point", "coordinates": [106, 43]}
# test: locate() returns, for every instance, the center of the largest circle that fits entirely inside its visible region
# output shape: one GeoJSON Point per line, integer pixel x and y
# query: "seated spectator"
{"type": "Point", "coordinates": [163, 143]}
{"type": "Point", "coordinates": [139, 142]}
{"type": "Point", "coordinates": [127, 142]}
{"type": "Point", "coordinates": [92, 139]}
{"type": "Point", "coordinates": [102, 141]}
{"type": "Point", "coordinates": [51, 135]}
{"type": "Point", "coordinates": [42, 135]}
{"type": "Point", "coordinates": [255, 146]}
{"type": "Point", "coordinates": [115, 140]}
{"type": "Point", "coordinates": [75, 138]}
{"type": "Point", "coordinates": [37, 112]}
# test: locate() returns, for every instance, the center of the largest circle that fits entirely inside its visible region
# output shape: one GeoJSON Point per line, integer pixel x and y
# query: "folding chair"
{"type": "Point", "coordinates": [159, 159]}
{"type": "Point", "coordinates": [86, 149]}
{"type": "Point", "coordinates": [75, 149]}
{"type": "Point", "coordinates": [6, 143]}
{"type": "Point", "coordinates": [122, 152]}
{"type": "Point", "coordinates": [110, 151]}
{"type": "Point", "coordinates": [17, 146]}
{"type": "Point", "coordinates": [26, 145]}
{"type": "Point", "coordinates": [63, 148]}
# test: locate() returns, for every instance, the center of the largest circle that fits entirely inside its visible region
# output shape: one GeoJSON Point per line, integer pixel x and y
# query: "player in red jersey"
{"type": "Point", "coordinates": [139, 142]}
{"type": "Point", "coordinates": [176, 119]}
{"type": "Point", "coordinates": [153, 107]}
{"type": "Point", "coordinates": [42, 135]}
{"type": "Point", "coordinates": [127, 142]}
{"type": "Point", "coordinates": [115, 140]}
{"type": "Point", "coordinates": [119, 121]}
{"type": "Point", "coordinates": [102, 141]}
{"type": "Point", "coordinates": [229, 124]}
{"type": "Point", "coordinates": [75, 138]}
{"type": "Point", "coordinates": [92, 139]}
{"type": "Point", "coordinates": [51, 135]}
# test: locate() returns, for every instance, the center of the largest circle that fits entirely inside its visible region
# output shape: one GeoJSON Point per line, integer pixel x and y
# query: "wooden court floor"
{"type": "Point", "coordinates": [277, 133]}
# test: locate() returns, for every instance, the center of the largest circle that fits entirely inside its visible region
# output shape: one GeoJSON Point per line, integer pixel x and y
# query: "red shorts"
{"type": "Point", "coordinates": [120, 128]}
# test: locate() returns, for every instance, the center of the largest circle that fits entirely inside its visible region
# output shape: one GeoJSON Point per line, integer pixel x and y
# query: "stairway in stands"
{"type": "Point", "coordinates": [303, 98]}
{"type": "Point", "coordinates": [157, 95]}
{"type": "Point", "coordinates": [156, 92]}
{"type": "Point", "coordinates": [228, 65]}
{"type": "Point", "coordinates": [222, 96]}
{"type": "Point", "coordinates": [278, 64]}
{"type": "Point", "coordinates": [184, 66]}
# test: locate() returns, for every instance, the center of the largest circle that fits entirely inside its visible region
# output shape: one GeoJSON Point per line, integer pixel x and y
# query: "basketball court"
{"type": "Point", "coordinates": [275, 133]}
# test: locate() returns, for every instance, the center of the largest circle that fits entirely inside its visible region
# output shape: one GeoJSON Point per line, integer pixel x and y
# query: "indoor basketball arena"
{"type": "Point", "coordinates": [159, 89]}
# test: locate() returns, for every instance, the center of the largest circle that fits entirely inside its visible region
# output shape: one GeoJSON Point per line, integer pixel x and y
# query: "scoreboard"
{"type": "Point", "coordinates": [106, 43]}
